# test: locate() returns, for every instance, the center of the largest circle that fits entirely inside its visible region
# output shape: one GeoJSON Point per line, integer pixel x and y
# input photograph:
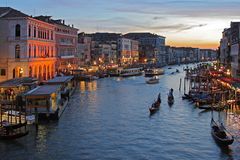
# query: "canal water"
{"type": "Point", "coordinates": [109, 119]}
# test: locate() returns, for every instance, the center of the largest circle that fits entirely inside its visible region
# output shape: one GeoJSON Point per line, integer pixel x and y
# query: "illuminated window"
{"type": "Point", "coordinates": [17, 51]}
{"type": "Point", "coordinates": [17, 30]}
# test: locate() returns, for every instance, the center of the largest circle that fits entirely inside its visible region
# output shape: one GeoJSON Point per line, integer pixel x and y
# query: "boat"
{"type": "Point", "coordinates": [153, 72]}
{"type": "Point", "coordinates": [13, 131]}
{"type": "Point", "coordinates": [219, 134]}
{"type": "Point", "coordinates": [217, 107]}
{"type": "Point", "coordinates": [186, 96]}
{"type": "Point", "coordinates": [130, 72]}
{"type": "Point", "coordinates": [170, 97]}
{"type": "Point", "coordinates": [153, 80]}
{"type": "Point", "coordinates": [177, 71]}
{"type": "Point", "coordinates": [155, 106]}
{"type": "Point", "coordinates": [207, 107]}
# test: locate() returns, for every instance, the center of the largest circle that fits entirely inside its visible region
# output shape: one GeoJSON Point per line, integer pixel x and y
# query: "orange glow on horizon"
{"type": "Point", "coordinates": [202, 45]}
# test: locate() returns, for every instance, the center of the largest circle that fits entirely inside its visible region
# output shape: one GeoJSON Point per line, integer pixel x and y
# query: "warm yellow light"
{"type": "Point", "coordinates": [21, 70]}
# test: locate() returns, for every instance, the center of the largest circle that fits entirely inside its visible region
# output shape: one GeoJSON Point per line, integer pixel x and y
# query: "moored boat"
{"type": "Point", "coordinates": [131, 72]}
{"type": "Point", "coordinates": [153, 72]}
{"type": "Point", "coordinates": [219, 134]}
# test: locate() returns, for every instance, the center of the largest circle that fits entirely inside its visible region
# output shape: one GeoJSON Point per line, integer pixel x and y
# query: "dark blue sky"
{"type": "Point", "coordinates": [183, 22]}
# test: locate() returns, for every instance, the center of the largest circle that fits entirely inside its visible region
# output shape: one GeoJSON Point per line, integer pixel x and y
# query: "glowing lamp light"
{"type": "Point", "coordinates": [228, 72]}
{"type": "Point", "coordinates": [21, 70]}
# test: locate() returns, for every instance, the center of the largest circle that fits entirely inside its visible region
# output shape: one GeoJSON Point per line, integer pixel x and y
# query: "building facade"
{"type": "Point", "coordinates": [234, 53]}
{"type": "Point", "coordinates": [27, 46]}
{"type": "Point", "coordinates": [66, 38]}
{"type": "Point", "coordinates": [84, 48]}
{"type": "Point", "coordinates": [151, 47]}
{"type": "Point", "coordinates": [225, 48]}
{"type": "Point", "coordinates": [128, 51]}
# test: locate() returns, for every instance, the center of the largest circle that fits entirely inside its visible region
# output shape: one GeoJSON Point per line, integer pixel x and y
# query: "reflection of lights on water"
{"type": "Point", "coordinates": [88, 86]}
{"type": "Point", "coordinates": [82, 86]}
{"type": "Point", "coordinates": [42, 138]}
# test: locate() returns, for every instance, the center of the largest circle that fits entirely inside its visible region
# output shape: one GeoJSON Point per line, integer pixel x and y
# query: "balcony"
{"type": "Point", "coordinates": [66, 43]}
{"type": "Point", "coordinates": [13, 38]}
{"type": "Point", "coordinates": [67, 56]}
{"type": "Point", "coordinates": [31, 59]}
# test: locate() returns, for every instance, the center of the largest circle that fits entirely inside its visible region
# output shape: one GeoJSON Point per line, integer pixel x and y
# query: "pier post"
{"type": "Point", "coordinates": [36, 118]}
{"type": "Point", "coordinates": [180, 84]}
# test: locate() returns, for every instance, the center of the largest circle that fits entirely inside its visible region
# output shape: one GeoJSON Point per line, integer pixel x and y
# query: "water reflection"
{"type": "Point", "coordinates": [88, 86]}
{"type": "Point", "coordinates": [108, 119]}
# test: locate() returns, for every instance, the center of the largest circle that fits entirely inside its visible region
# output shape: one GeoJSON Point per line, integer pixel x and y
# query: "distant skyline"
{"type": "Point", "coordinates": [193, 23]}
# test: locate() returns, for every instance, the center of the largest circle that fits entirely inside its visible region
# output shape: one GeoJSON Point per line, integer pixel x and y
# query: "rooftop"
{"type": "Point", "coordinates": [60, 79]}
{"type": "Point", "coordinates": [139, 35]}
{"type": "Point", "coordinates": [18, 82]}
{"type": "Point", "coordinates": [8, 12]}
{"type": "Point", "coordinates": [43, 90]}
{"type": "Point", "coordinates": [49, 19]}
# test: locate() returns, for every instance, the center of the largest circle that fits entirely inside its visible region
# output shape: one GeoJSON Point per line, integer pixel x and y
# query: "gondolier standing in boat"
{"type": "Point", "coordinates": [159, 98]}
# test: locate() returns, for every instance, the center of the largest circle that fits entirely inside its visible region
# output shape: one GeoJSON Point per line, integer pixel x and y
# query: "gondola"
{"type": "Point", "coordinates": [208, 107]}
{"type": "Point", "coordinates": [219, 134]}
{"type": "Point", "coordinates": [186, 96]}
{"type": "Point", "coordinates": [170, 97]}
{"type": "Point", "coordinates": [170, 100]}
{"type": "Point", "coordinates": [13, 136]}
{"type": "Point", "coordinates": [14, 131]}
{"type": "Point", "coordinates": [155, 106]}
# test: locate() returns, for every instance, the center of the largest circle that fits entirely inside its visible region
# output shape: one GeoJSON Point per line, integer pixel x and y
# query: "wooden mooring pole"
{"type": "Point", "coordinates": [180, 84]}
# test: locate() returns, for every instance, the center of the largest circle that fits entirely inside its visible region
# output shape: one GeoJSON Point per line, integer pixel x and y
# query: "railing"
{"type": "Point", "coordinates": [24, 38]}
{"type": "Point", "coordinates": [30, 59]}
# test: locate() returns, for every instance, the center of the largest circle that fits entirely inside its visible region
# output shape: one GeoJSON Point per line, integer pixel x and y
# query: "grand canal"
{"type": "Point", "coordinates": [109, 119]}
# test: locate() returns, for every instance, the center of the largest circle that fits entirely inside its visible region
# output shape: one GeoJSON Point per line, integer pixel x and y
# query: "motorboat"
{"type": "Point", "coordinates": [153, 72]}
{"type": "Point", "coordinates": [153, 80]}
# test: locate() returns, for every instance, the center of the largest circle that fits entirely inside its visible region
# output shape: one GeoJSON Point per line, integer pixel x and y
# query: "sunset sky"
{"type": "Point", "coordinates": [196, 23]}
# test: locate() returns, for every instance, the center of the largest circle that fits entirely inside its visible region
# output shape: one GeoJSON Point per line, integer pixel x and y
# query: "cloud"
{"type": "Point", "coordinates": [172, 28]}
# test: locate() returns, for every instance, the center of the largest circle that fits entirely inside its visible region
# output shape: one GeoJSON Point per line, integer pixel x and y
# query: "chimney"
{"type": "Point", "coordinates": [63, 21]}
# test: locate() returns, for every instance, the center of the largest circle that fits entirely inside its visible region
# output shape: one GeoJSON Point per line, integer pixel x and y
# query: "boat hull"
{"type": "Point", "coordinates": [131, 74]}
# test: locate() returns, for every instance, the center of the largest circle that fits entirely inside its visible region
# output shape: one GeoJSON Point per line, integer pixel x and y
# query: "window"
{"type": "Point", "coordinates": [29, 31]}
{"type": "Point", "coordinates": [17, 30]}
{"type": "Point", "coordinates": [29, 50]}
{"type": "Point", "coordinates": [17, 51]}
{"type": "Point", "coordinates": [35, 32]}
{"type": "Point", "coordinates": [51, 35]}
{"type": "Point", "coordinates": [2, 72]}
{"type": "Point", "coordinates": [35, 52]}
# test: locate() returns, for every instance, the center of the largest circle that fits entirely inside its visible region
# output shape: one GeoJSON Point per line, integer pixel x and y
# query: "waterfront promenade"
{"type": "Point", "coordinates": [109, 119]}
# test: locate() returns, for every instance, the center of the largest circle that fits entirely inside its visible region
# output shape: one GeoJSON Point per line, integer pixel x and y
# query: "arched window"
{"type": "Point", "coordinates": [17, 30]}
{"type": "Point", "coordinates": [17, 51]}
{"type": "Point", "coordinates": [29, 31]}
